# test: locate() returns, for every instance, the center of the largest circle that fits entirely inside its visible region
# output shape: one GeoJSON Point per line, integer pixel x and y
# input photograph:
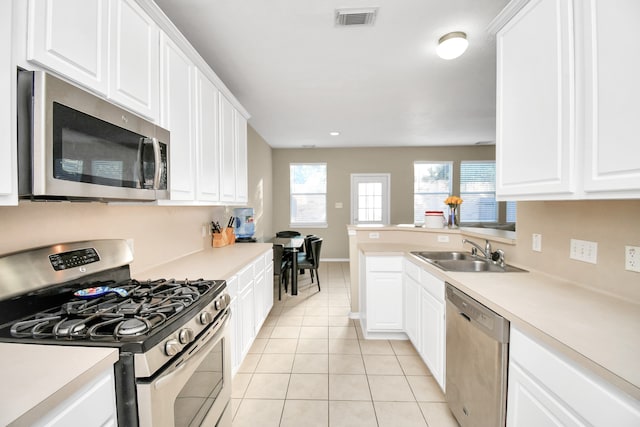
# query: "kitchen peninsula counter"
{"type": "Point", "coordinates": [597, 331]}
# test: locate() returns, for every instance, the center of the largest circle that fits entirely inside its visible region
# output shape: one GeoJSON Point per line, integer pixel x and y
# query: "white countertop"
{"type": "Point", "coordinates": [210, 263]}
{"type": "Point", "coordinates": [598, 331]}
{"type": "Point", "coordinates": [36, 378]}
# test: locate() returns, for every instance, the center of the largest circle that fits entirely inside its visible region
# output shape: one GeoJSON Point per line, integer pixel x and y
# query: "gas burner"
{"type": "Point", "coordinates": [70, 328]}
{"type": "Point", "coordinates": [135, 326]}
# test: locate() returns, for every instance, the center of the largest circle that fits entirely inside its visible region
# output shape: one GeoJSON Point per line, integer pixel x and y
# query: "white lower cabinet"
{"type": "Point", "coordinates": [251, 306]}
{"type": "Point", "coordinates": [412, 302]}
{"type": "Point", "coordinates": [383, 296]}
{"type": "Point", "coordinates": [547, 389]}
{"type": "Point", "coordinates": [92, 405]}
{"type": "Point", "coordinates": [432, 325]}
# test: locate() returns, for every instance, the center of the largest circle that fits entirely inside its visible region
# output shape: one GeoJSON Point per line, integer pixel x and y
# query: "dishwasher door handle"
{"type": "Point", "coordinates": [465, 316]}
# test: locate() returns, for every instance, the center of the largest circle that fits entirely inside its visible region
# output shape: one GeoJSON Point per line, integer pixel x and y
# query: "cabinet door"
{"type": "Point", "coordinates": [612, 90]}
{"type": "Point", "coordinates": [384, 301]}
{"type": "Point", "coordinates": [432, 325]}
{"type": "Point", "coordinates": [134, 60]}
{"type": "Point", "coordinates": [412, 310]}
{"type": "Point", "coordinates": [71, 38]}
{"type": "Point", "coordinates": [177, 116]}
{"type": "Point", "coordinates": [207, 140]}
{"type": "Point", "coordinates": [247, 312]}
{"type": "Point", "coordinates": [8, 162]}
{"type": "Point", "coordinates": [235, 328]}
{"type": "Point", "coordinates": [535, 135]}
{"type": "Point", "coordinates": [228, 151]}
{"type": "Point", "coordinates": [241, 158]}
{"type": "Point", "coordinates": [269, 283]}
{"type": "Point", "coordinates": [259, 296]}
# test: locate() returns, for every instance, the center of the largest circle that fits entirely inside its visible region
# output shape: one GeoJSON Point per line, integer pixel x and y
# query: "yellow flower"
{"type": "Point", "coordinates": [453, 201]}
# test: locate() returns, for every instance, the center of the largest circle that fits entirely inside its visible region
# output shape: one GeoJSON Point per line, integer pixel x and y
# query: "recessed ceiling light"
{"type": "Point", "coordinates": [334, 133]}
{"type": "Point", "coordinates": [452, 45]}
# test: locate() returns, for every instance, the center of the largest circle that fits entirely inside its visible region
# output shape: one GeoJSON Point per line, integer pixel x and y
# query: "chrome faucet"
{"type": "Point", "coordinates": [486, 252]}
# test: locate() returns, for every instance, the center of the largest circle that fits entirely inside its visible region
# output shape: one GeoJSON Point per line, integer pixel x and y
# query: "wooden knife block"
{"type": "Point", "coordinates": [227, 237]}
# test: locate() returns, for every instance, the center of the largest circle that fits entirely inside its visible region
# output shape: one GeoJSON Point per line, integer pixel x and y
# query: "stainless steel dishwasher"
{"type": "Point", "coordinates": [477, 358]}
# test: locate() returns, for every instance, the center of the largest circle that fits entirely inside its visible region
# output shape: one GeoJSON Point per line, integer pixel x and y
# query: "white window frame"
{"type": "Point", "coordinates": [385, 179]}
{"type": "Point", "coordinates": [420, 219]}
{"type": "Point", "coordinates": [322, 224]}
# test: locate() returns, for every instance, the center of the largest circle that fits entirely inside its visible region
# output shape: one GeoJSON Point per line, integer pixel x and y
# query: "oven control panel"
{"type": "Point", "coordinates": [71, 259]}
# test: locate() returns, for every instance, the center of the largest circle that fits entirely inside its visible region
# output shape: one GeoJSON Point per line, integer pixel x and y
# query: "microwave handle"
{"type": "Point", "coordinates": [158, 163]}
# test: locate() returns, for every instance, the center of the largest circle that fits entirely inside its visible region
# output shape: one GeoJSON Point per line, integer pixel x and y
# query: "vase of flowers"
{"type": "Point", "coordinates": [454, 203]}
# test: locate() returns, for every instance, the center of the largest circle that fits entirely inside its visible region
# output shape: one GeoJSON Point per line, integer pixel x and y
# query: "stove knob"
{"type": "Point", "coordinates": [227, 299]}
{"type": "Point", "coordinates": [172, 347]}
{"type": "Point", "coordinates": [205, 318]}
{"type": "Point", "coordinates": [185, 335]}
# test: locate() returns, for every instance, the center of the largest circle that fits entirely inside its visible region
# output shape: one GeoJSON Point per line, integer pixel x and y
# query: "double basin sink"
{"type": "Point", "coordinates": [464, 262]}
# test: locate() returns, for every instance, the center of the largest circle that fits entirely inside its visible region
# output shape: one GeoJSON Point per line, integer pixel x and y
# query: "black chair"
{"type": "Point", "coordinates": [306, 253]}
{"type": "Point", "coordinates": [313, 262]}
{"type": "Point", "coordinates": [288, 233]}
{"type": "Point", "coordinates": [281, 267]}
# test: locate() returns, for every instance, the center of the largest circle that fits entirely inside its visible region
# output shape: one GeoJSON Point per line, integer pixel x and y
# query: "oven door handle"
{"type": "Point", "coordinates": [200, 352]}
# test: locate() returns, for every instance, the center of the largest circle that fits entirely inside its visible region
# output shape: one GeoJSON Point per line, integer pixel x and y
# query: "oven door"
{"type": "Point", "coordinates": [195, 389]}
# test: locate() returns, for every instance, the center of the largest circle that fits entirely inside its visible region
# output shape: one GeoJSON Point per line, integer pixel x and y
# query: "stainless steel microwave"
{"type": "Point", "coordinates": [73, 145]}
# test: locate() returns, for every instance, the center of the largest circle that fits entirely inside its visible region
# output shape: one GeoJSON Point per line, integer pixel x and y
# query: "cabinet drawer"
{"type": "Point", "coordinates": [432, 284]}
{"type": "Point", "coordinates": [245, 277]}
{"type": "Point", "coordinates": [232, 286]}
{"type": "Point", "coordinates": [597, 401]}
{"type": "Point", "coordinates": [258, 265]}
{"type": "Point", "coordinates": [412, 270]}
{"type": "Point", "coordinates": [384, 263]}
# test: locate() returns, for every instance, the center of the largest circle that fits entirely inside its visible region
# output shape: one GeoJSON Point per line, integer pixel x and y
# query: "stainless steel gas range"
{"type": "Point", "coordinates": [172, 335]}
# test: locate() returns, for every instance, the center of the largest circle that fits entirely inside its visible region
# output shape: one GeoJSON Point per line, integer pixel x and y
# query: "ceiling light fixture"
{"type": "Point", "coordinates": [334, 133]}
{"type": "Point", "coordinates": [452, 45]}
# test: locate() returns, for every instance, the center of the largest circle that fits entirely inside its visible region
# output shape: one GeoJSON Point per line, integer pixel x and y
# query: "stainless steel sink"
{"type": "Point", "coordinates": [465, 262]}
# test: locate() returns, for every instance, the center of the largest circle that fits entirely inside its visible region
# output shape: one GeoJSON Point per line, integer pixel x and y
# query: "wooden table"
{"type": "Point", "coordinates": [291, 245]}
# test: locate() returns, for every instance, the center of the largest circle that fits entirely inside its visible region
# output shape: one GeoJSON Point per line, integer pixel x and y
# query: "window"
{"type": "Point", "coordinates": [478, 190]}
{"type": "Point", "coordinates": [308, 186]}
{"type": "Point", "coordinates": [511, 211]}
{"type": "Point", "coordinates": [432, 183]}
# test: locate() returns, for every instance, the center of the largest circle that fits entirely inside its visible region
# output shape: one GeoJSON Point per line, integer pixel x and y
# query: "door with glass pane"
{"type": "Point", "coordinates": [370, 198]}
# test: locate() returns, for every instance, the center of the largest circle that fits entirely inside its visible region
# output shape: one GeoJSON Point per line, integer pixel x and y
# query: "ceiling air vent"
{"type": "Point", "coordinates": [346, 17]}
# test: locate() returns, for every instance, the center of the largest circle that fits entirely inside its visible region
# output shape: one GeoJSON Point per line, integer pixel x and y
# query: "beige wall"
{"type": "Point", "coordinates": [260, 184]}
{"type": "Point", "coordinates": [341, 163]}
{"type": "Point", "coordinates": [611, 223]}
{"type": "Point", "coordinates": [159, 233]}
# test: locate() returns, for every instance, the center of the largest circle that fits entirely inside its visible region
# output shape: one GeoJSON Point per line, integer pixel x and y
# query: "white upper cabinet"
{"type": "Point", "coordinates": [566, 106]}
{"type": "Point", "coordinates": [227, 151]}
{"type": "Point", "coordinates": [241, 158]}
{"type": "Point", "coordinates": [8, 163]}
{"type": "Point", "coordinates": [612, 90]}
{"type": "Point", "coordinates": [535, 110]}
{"type": "Point", "coordinates": [72, 38]}
{"type": "Point", "coordinates": [134, 64]}
{"type": "Point", "coordinates": [207, 140]}
{"type": "Point", "coordinates": [178, 74]}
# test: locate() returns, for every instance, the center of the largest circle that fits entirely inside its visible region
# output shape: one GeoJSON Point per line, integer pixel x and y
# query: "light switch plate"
{"type": "Point", "coordinates": [443, 238]}
{"type": "Point", "coordinates": [584, 250]}
{"type": "Point", "coordinates": [632, 258]}
{"type": "Point", "coordinates": [536, 242]}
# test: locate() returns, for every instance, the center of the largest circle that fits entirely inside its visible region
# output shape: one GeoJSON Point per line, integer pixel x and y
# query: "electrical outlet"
{"type": "Point", "coordinates": [443, 238]}
{"type": "Point", "coordinates": [374, 235]}
{"type": "Point", "coordinates": [204, 231]}
{"type": "Point", "coordinates": [632, 258]}
{"type": "Point", "coordinates": [536, 242]}
{"type": "Point", "coordinates": [584, 250]}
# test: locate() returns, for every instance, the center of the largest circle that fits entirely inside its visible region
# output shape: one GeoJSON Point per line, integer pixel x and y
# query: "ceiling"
{"type": "Point", "coordinates": [300, 76]}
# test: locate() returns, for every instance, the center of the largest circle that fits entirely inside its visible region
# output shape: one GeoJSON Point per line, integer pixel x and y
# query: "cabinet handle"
{"type": "Point", "coordinates": [466, 317]}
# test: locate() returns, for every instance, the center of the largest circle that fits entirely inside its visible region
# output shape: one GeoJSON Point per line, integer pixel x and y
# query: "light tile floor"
{"type": "Point", "coordinates": [309, 366]}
